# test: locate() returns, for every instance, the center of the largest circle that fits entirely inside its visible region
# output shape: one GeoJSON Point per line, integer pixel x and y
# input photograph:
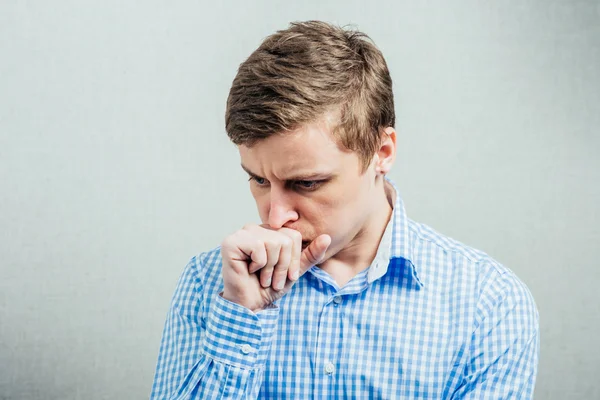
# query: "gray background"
{"type": "Point", "coordinates": [115, 168]}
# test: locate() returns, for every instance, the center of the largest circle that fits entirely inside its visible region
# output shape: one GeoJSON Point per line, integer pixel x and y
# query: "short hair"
{"type": "Point", "coordinates": [299, 74]}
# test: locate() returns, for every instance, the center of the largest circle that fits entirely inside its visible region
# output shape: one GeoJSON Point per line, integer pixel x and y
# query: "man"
{"type": "Point", "coordinates": [337, 294]}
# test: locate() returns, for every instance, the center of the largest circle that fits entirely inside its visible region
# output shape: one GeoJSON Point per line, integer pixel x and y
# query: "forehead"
{"type": "Point", "coordinates": [310, 146]}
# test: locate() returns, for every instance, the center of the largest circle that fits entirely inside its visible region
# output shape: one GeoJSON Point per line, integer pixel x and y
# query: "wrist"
{"type": "Point", "coordinates": [237, 336]}
{"type": "Point", "coordinates": [250, 305]}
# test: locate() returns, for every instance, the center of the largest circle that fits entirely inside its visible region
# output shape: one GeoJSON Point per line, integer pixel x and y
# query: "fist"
{"type": "Point", "coordinates": [261, 264]}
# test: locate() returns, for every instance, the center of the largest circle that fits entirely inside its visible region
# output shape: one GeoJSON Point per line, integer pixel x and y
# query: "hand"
{"type": "Point", "coordinates": [261, 264]}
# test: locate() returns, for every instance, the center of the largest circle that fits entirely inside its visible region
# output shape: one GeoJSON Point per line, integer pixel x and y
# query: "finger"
{"type": "Point", "coordinates": [273, 249]}
{"type": "Point", "coordinates": [254, 231]}
{"type": "Point", "coordinates": [242, 246]}
{"type": "Point", "coordinates": [280, 271]}
{"type": "Point", "coordinates": [258, 257]}
{"type": "Point", "coordinates": [255, 266]}
{"type": "Point", "coordinates": [314, 253]}
{"type": "Point", "coordinates": [294, 267]}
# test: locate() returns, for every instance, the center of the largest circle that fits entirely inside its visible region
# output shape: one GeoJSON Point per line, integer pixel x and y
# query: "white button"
{"type": "Point", "coordinates": [337, 299]}
{"type": "Point", "coordinates": [246, 348]}
{"type": "Point", "coordinates": [329, 368]}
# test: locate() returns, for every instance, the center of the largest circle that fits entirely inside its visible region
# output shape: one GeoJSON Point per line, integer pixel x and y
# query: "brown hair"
{"type": "Point", "coordinates": [298, 74]}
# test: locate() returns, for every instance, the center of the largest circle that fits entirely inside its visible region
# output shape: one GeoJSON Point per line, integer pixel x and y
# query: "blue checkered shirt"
{"type": "Point", "coordinates": [430, 318]}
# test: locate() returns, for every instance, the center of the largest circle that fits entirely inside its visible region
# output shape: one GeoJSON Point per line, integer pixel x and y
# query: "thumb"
{"type": "Point", "coordinates": [314, 253]}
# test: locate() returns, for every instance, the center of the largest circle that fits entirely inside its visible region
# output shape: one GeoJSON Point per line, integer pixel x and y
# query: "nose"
{"type": "Point", "coordinates": [281, 209]}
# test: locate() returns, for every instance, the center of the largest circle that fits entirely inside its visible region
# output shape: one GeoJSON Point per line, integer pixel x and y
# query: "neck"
{"type": "Point", "coordinates": [359, 253]}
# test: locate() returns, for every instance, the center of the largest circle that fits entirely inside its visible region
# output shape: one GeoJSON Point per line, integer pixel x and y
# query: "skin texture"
{"type": "Point", "coordinates": [317, 206]}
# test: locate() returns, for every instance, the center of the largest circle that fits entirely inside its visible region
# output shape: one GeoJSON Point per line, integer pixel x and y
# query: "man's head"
{"type": "Point", "coordinates": [299, 74]}
{"type": "Point", "coordinates": [312, 113]}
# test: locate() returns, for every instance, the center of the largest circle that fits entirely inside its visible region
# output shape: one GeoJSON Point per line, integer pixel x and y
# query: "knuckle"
{"type": "Point", "coordinates": [225, 242]}
{"type": "Point", "coordinates": [257, 243]}
{"type": "Point", "coordinates": [228, 241]}
{"type": "Point", "coordinates": [310, 255]}
{"type": "Point", "coordinates": [287, 241]}
{"type": "Point", "coordinates": [291, 233]}
{"type": "Point", "coordinates": [269, 244]}
{"type": "Point", "coordinates": [282, 266]}
{"type": "Point", "coordinates": [248, 227]}
{"type": "Point", "coordinates": [266, 272]}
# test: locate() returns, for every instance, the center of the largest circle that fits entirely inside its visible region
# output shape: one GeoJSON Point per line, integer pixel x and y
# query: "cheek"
{"type": "Point", "coordinates": [263, 212]}
{"type": "Point", "coordinates": [327, 211]}
{"type": "Point", "coordinates": [345, 206]}
{"type": "Point", "coordinates": [338, 198]}
{"type": "Point", "coordinates": [262, 205]}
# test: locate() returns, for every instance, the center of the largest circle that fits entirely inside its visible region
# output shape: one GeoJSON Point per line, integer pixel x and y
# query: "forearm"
{"type": "Point", "coordinates": [224, 360]}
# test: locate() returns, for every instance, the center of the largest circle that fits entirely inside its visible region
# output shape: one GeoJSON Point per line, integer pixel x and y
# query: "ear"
{"type": "Point", "coordinates": [386, 154]}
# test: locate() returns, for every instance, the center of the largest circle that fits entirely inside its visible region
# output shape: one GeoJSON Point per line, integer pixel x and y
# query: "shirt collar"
{"type": "Point", "coordinates": [396, 242]}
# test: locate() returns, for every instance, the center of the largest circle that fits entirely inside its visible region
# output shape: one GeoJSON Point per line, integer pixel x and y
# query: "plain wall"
{"type": "Point", "coordinates": [115, 168]}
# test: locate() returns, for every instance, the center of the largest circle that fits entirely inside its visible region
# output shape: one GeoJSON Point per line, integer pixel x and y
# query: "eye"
{"type": "Point", "coordinates": [308, 185]}
{"type": "Point", "coordinates": [259, 181]}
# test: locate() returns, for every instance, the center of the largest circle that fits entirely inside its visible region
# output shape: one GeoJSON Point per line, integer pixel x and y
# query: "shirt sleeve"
{"type": "Point", "coordinates": [504, 348]}
{"type": "Point", "coordinates": [221, 355]}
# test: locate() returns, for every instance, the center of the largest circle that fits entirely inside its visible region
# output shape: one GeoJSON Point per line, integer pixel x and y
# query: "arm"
{"type": "Point", "coordinates": [221, 355]}
{"type": "Point", "coordinates": [213, 345]}
{"type": "Point", "coordinates": [504, 347]}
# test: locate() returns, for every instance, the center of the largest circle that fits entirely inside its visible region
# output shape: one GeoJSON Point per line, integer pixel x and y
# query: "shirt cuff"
{"type": "Point", "coordinates": [236, 336]}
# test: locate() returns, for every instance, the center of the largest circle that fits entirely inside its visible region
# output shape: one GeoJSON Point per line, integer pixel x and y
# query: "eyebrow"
{"type": "Point", "coordinates": [300, 177]}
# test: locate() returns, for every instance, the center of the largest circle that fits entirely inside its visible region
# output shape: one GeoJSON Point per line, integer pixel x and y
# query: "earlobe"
{"type": "Point", "coordinates": [381, 170]}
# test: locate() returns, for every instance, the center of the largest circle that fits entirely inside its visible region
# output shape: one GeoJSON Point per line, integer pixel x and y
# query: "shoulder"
{"type": "Point", "coordinates": [489, 282]}
{"type": "Point", "coordinates": [425, 238]}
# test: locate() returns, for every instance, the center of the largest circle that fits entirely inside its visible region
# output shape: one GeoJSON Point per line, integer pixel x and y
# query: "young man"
{"type": "Point", "coordinates": [337, 294]}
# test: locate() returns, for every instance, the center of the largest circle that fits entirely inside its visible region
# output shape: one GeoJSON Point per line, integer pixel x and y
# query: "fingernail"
{"type": "Point", "coordinates": [296, 275]}
{"type": "Point", "coordinates": [279, 284]}
{"type": "Point", "coordinates": [267, 283]}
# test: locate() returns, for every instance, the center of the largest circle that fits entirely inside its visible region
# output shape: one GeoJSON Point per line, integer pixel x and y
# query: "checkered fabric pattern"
{"type": "Point", "coordinates": [431, 318]}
